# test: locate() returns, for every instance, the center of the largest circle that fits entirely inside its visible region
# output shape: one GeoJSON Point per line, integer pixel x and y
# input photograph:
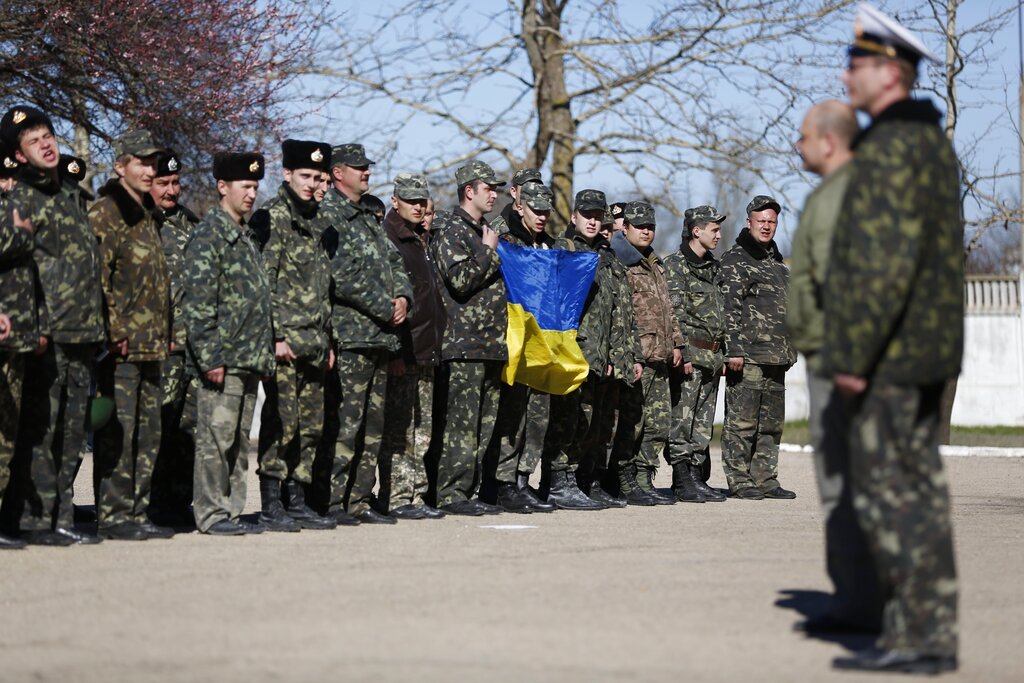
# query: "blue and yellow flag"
{"type": "Point", "coordinates": [547, 289]}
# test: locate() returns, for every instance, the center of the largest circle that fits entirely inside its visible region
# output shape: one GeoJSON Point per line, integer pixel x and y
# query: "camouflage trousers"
{"type": "Point", "coordinates": [856, 597]}
{"type": "Point", "coordinates": [901, 496]}
{"type": "Point", "coordinates": [472, 408]}
{"type": "Point", "coordinates": [127, 446]}
{"type": "Point", "coordinates": [292, 421]}
{"type": "Point", "coordinates": [693, 415]}
{"type": "Point", "coordinates": [224, 418]}
{"type": "Point", "coordinates": [363, 376]}
{"type": "Point", "coordinates": [755, 411]}
{"type": "Point", "coordinates": [520, 439]}
{"type": "Point", "coordinates": [51, 435]}
{"type": "Point", "coordinates": [599, 400]}
{"type": "Point", "coordinates": [12, 369]}
{"type": "Point", "coordinates": [408, 419]}
{"type": "Point", "coordinates": [172, 474]}
{"type": "Point", "coordinates": [645, 417]}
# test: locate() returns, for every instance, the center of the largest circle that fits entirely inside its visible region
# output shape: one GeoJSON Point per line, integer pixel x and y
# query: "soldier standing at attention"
{"type": "Point", "coordinates": [230, 340]}
{"type": "Point", "coordinates": [136, 290]}
{"type": "Point", "coordinates": [758, 355]}
{"type": "Point", "coordinates": [57, 376]}
{"type": "Point", "coordinates": [300, 275]}
{"type": "Point", "coordinates": [371, 297]}
{"type": "Point", "coordinates": [894, 334]}
{"type": "Point", "coordinates": [695, 288]}
{"type": "Point", "coordinates": [466, 257]}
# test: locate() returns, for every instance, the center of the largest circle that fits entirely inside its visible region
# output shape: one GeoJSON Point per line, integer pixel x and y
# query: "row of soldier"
{"type": "Point", "coordinates": [359, 324]}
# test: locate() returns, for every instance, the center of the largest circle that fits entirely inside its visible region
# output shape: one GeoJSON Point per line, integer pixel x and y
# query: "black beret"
{"type": "Point", "coordinates": [306, 154]}
{"type": "Point", "coordinates": [167, 163]}
{"type": "Point", "coordinates": [228, 166]}
{"type": "Point", "coordinates": [21, 118]}
{"type": "Point", "coordinates": [72, 168]}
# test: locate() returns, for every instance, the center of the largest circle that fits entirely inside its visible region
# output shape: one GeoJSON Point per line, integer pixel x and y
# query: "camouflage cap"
{"type": "Point", "coordinates": [167, 164]}
{"type": "Point", "coordinates": [762, 202]}
{"type": "Point", "coordinates": [8, 163]}
{"type": "Point", "coordinates": [702, 214]}
{"type": "Point", "coordinates": [608, 219]}
{"type": "Point", "coordinates": [639, 213]}
{"type": "Point", "coordinates": [410, 186]}
{"type": "Point", "coordinates": [72, 168]}
{"type": "Point", "coordinates": [476, 170]}
{"type": "Point", "coordinates": [137, 143]}
{"type": "Point", "coordinates": [18, 119]}
{"type": "Point", "coordinates": [590, 200]}
{"type": "Point", "coordinates": [350, 154]}
{"type": "Point", "coordinates": [525, 175]}
{"type": "Point", "coordinates": [537, 196]}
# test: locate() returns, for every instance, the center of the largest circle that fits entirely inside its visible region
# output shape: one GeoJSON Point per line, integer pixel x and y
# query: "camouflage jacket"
{"type": "Point", "coordinates": [473, 291]}
{"type": "Point", "coordinates": [20, 298]}
{"type": "Point", "coordinates": [226, 306]}
{"type": "Point", "coordinates": [894, 294]}
{"type": "Point", "coordinates": [695, 288]}
{"type": "Point", "coordinates": [367, 273]}
{"type": "Point", "coordinates": [175, 232]}
{"type": "Point", "coordinates": [136, 287]}
{"type": "Point", "coordinates": [656, 323]}
{"type": "Point", "coordinates": [754, 281]}
{"type": "Point", "coordinates": [299, 273]}
{"type": "Point", "coordinates": [67, 258]}
{"type": "Point", "coordinates": [805, 313]}
{"type": "Point", "coordinates": [505, 220]}
{"type": "Point", "coordinates": [606, 334]}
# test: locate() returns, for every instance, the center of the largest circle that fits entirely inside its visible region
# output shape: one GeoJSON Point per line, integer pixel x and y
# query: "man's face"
{"type": "Point", "coordinates": [484, 196]}
{"type": "Point", "coordinates": [865, 80]}
{"type": "Point", "coordinates": [640, 236]}
{"type": "Point", "coordinates": [303, 182]}
{"type": "Point", "coordinates": [410, 210]}
{"type": "Point", "coordinates": [762, 225]}
{"type": "Point", "coordinates": [7, 184]}
{"type": "Point", "coordinates": [166, 190]}
{"type": "Point", "coordinates": [354, 179]}
{"type": "Point", "coordinates": [137, 173]}
{"type": "Point", "coordinates": [708, 235]}
{"type": "Point", "coordinates": [620, 224]}
{"type": "Point", "coordinates": [813, 148]}
{"type": "Point", "coordinates": [38, 148]}
{"type": "Point", "coordinates": [239, 195]}
{"type": "Point", "coordinates": [587, 223]}
{"type": "Point", "coordinates": [428, 215]}
{"type": "Point", "coordinates": [321, 187]}
{"type": "Point", "coordinates": [607, 229]}
{"type": "Point", "coordinates": [533, 219]}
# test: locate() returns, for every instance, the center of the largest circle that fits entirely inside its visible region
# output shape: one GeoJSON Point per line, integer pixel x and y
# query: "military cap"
{"type": "Point", "coordinates": [617, 209]}
{"type": "Point", "coordinates": [306, 154]}
{"type": "Point", "coordinates": [702, 214]}
{"type": "Point", "coordinates": [590, 200]}
{"type": "Point", "coordinates": [228, 166]}
{"type": "Point", "coordinates": [877, 34]}
{"type": "Point", "coordinates": [167, 164]}
{"type": "Point", "coordinates": [350, 154]}
{"type": "Point", "coordinates": [608, 218]}
{"type": "Point", "coordinates": [137, 143]}
{"type": "Point", "coordinates": [8, 163]}
{"type": "Point", "coordinates": [72, 168]}
{"type": "Point", "coordinates": [525, 175]}
{"type": "Point", "coordinates": [476, 170]}
{"type": "Point", "coordinates": [18, 119]}
{"type": "Point", "coordinates": [410, 186]}
{"type": "Point", "coordinates": [537, 196]}
{"type": "Point", "coordinates": [762, 202]}
{"type": "Point", "coordinates": [639, 213]}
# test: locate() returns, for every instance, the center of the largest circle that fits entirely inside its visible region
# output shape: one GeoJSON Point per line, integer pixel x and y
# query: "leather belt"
{"type": "Point", "coordinates": [704, 344]}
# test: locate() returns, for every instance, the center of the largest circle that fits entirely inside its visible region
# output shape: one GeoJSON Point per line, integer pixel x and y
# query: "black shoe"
{"type": "Point", "coordinates": [272, 514]}
{"type": "Point", "coordinates": [407, 512]}
{"type": "Point", "coordinates": [710, 495]}
{"type": "Point", "coordinates": [342, 518]}
{"type": "Point", "coordinates": [779, 493]}
{"type": "Point", "coordinates": [829, 625]}
{"type": "Point", "coordinates": [79, 538]}
{"type": "Point", "coordinates": [630, 490]}
{"type": "Point", "coordinates": [566, 494]}
{"type": "Point", "coordinates": [9, 543]}
{"type": "Point", "coordinates": [511, 499]}
{"type": "Point", "coordinates": [463, 507]}
{"type": "Point", "coordinates": [126, 531]}
{"type": "Point", "coordinates": [314, 521]}
{"type": "Point", "coordinates": [641, 498]}
{"type": "Point", "coordinates": [748, 493]}
{"type": "Point", "coordinates": [84, 514]}
{"type": "Point", "coordinates": [371, 516]}
{"type": "Point", "coordinates": [46, 537]}
{"type": "Point", "coordinates": [486, 508]}
{"type": "Point", "coordinates": [601, 496]}
{"type": "Point", "coordinates": [523, 486]}
{"type": "Point", "coordinates": [302, 513]}
{"type": "Point", "coordinates": [645, 480]}
{"type": "Point", "coordinates": [154, 531]}
{"type": "Point", "coordinates": [432, 513]}
{"type": "Point", "coordinates": [884, 661]}
{"type": "Point", "coordinates": [226, 527]}
{"type": "Point", "coordinates": [683, 486]}
{"type": "Point", "coordinates": [254, 528]}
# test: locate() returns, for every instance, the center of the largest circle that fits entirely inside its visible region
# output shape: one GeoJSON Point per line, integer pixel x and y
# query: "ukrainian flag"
{"type": "Point", "coordinates": [547, 289]}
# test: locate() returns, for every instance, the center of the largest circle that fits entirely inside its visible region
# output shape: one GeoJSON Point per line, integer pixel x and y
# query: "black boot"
{"type": "Point", "coordinates": [302, 513]}
{"type": "Point", "coordinates": [630, 490]}
{"type": "Point", "coordinates": [710, 494]}
{"type": "Point", "coordinates": [567, 495]}
{"type": "Point", "coordinates": [645, 480]}
{"type": "Point", "coordinates": [511, 499]}
{"type": "Point", "coordinates": [683, 484]}
{"type": "Point", "coordinates": [523, 486]}
{"type": "Point", "coordinates": [272, 514]}
{"type": "Point", "coordinates": [601, 496]}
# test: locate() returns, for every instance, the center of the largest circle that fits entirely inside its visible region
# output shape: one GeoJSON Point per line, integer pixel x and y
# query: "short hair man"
{"type": "Point", "coordinates": [894, 336]}
{"type": "Point", "coordinates": [57, 376]}
{"type": "Point", "coordinates": [509, 215]}
{"type": "Point", "coordinates": [230, 340]}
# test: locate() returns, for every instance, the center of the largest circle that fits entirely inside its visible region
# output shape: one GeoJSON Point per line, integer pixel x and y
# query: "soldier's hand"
{"type": "Point", "coordinates": [119, 348]}
{"type": "Point", "coordinates": [735, 363]}
{"type": "Point", "coordinates": [43, 343]}
{"type": "Point", "coordinates": [401, 307]}
{"type": "Point", "coordinates": [677, 358]}
{"type": "Point", "coordinates": [5, 327]}
{"type": "Point", "coordinates": [330, 359]}
{"type": "Point", "coordinates": [687, 369]}
{"type": "Point", "coordinates": [490, 238]}
{"type": "Point", "coordinates": [23, 223]}
{"type": "Point", "coordinates": [850, 385]}
{"type": "Point", "coordinates": [638, 371]}
{"type": "Point", "coordinates": [608, 371]}
{"type": "Point", "coordinates": [282, 352]}
{"type": "Point", "coordinates": [171, 346]}
{"type": "Point", "coordinates": [396, 367]}
{"type": "Point", "coordinates": [216, 376]}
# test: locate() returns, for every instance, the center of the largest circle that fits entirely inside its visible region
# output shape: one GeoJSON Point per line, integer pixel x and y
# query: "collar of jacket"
{"type": "Point", "coordinates": [398, 229]}
{"type": "Point", "coordinates": [688, 253]}
{"type": "Point", "coordinates": [231, 229]}
{"type": "Point", "coordinates": [626, 252]}
{"type": "Point", "coordinates": [305, 208]}
{"type": "Point", "coordinates": [131, 211]}
{"type": "Point", "coordinates": [184, 211]}
{"type": "Point", "coordinates": [348, 208]}
{"type": "Point", "coordinates": [599, 243]}
{"type": "Point", "coordinates": [468, 220]}
{"type": "Point", "coordinates": [517, 229]}
{"type": "Point", "coordinates": [920, 111]}
{"type": "Point", "coordinates": [47, 183]}
{"type": "Point", "coordinates": [754, 248]}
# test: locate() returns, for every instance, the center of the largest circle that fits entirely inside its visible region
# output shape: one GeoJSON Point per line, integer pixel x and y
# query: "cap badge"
{"type": "Point", "coordinates": [317, 156]}
{"type": "Point", "coordinates": [73, 167]}
{"type": "Point", "coordinates": [19, 116]}
{"type": "Point", "coordinates": [254, 167]}
{"type": "Point", "coordinates": [10, 163]}
{"type": "Point", "coordinates": [172, 165]}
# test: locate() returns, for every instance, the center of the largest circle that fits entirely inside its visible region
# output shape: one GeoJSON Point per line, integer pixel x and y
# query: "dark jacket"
{"type": "Point", "coordinates": [20, 296]}
{"type": "Point", "coordinates": [695, 288]}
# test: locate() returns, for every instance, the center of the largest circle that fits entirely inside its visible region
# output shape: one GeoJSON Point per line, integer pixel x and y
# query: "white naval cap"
{"type": "Point", "coordinates": [878, 34]}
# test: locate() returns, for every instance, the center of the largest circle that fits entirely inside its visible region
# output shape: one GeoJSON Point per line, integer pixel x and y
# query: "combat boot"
{"type": "Point", "coordinates": [272, 514]}
{"type": "Point", "coordinates": [630, 490]}
{"type": "Point", "coordinates": [511, 499]}
{"type": "Point", "coordinates": [710, 495]}
{"type": "Point", "coordinates": [565, 494]}
{"type": "Point", "coordinates": [683, 485]}
{"type": "Point", "coordinates": [645, 480]}
{"type": "Point", "coordinates": [523, 486]}
{"type": "Point", "coordinates": [302, 513]}
{"type": "Point", "coordinates": [601, 496]}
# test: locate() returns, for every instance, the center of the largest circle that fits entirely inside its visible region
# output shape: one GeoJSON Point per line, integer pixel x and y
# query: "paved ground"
{"type": "Point", "coordinates": [682, 593]}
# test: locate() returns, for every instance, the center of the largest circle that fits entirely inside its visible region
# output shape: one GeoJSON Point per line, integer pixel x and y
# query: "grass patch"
{"type": "Point", "coordinates": [798, 432]}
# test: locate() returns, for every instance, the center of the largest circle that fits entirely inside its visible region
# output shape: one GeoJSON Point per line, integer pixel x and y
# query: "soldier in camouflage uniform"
{"type": "Point", "coordinates": [894, 335]}
{"type": "Point", "coordinates": [509, 216]}
{"type": "Point", "coordinates": [227, 315]}
{"type": "Point", "coordinates": [136, 292]}
{"type": "Point", "coordinates": [57, 377]}
{"type": "Point", "coordinates": [466, 257]}
{"type": "Point", "coordinates": [371, 297]}
{"type": "Point", "coordinates": [759, 354]}
{"type": "Point", "coordinates": [694, 285]}
{"type": "Point", "coordinates": [300, 274]}
{"type": "Point", "coordinates": [648, 407]}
